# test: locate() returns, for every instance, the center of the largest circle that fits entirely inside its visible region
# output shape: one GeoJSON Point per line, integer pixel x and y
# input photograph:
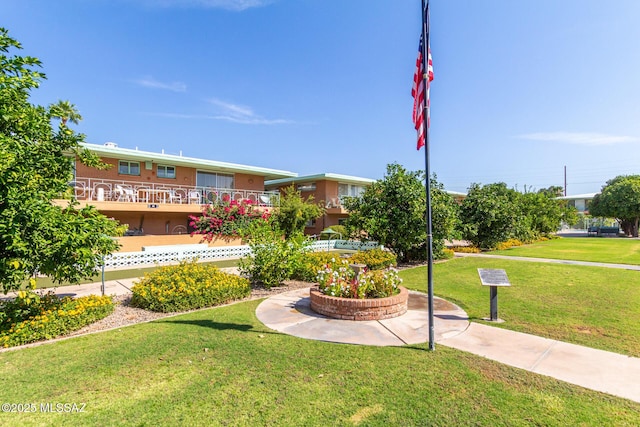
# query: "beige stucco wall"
{"type": "Point", "coordinates": [135, 243]}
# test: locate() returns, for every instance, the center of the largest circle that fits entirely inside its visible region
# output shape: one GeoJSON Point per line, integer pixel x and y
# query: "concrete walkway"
{"type": "Point", "coordinates": [289, 313]}
{"type": "Point", "coordinates": [552, 261]}
{"type": "Point", "coordinates": [598, 370]}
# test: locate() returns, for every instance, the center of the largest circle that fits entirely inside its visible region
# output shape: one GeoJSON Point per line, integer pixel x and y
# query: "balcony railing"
{"type": "Point", "coordinates": [104, 190]}
{"type": "Point", "coordinates": [336, 202]}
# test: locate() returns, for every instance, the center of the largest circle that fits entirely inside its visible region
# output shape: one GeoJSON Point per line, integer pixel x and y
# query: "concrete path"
{"type": "Point", "coordinates": [552, 261]}
{"type": "Point", "coordinates": [290, 313]}
{"type": "Point", "coordinates": [112, 287]}
{"type": "Point", "coordinates": [598, 370]}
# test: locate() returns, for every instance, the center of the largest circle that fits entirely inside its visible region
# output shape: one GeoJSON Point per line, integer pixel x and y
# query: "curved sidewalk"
{"type": "Point", "coordinates": [598, 370]}
{"type": "Point", "coordinates": [290, 313]}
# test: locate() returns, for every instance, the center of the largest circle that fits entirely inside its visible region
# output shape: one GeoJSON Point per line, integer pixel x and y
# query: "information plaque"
{"type": "Point", "coordinates": [493, 277]}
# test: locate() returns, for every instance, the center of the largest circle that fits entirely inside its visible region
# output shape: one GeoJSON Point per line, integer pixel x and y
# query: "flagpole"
{"type": "Point", "coordinates": [425, 118]}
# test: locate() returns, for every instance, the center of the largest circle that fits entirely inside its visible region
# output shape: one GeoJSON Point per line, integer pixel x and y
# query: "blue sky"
{"type": "Point", "coordinates": [521, 90]}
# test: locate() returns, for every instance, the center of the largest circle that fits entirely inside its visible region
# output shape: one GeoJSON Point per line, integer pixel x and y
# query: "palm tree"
{"type": "Point", "coordinates": [65, 111]}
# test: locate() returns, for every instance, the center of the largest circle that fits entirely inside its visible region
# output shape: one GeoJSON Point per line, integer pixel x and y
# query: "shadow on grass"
{"type": "Point", "coordinates": [218, 326]}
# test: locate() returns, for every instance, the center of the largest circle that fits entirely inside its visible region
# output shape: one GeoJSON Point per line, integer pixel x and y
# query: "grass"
{"type": "Point", "coordinates": [592, 306]}
{"type": "Point", "coordinates": [594, 249]}
{"type": "Point", "coordinates": [223, 367]}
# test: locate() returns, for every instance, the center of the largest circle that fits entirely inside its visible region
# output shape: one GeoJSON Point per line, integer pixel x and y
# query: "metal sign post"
{"type": "Point", "coordinates": [493, 278]}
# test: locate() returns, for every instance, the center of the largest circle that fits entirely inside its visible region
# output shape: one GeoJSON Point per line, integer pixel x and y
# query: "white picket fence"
{"type": "Point", "coordinates": [127, 260]}
{"type": "Point", "coordinates": [172, 255]}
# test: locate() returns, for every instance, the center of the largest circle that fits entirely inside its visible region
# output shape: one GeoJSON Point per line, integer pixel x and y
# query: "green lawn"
{"type": "Point", "coordinates": [592, 306]}
{"type": "Point", "coordinates": [595, 249]}
{"type": "Point", "coordinates": [223, 367]}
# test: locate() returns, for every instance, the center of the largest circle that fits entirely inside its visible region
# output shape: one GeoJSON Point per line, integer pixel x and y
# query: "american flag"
{"type": "Point", "coordinates": [418, 93]}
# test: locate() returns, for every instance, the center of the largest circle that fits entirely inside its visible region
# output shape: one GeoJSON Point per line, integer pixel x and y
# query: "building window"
{"type": "Point", "coordinates": [214, 180]}
{"type": "Point", "coordinates": [310, 223]}
{"type": "Point", "coordinates": [350, 190]}
{"type": "Point", "coordinates": [166, 172]}
{"type": "Point", "coordinates": [128, 168]}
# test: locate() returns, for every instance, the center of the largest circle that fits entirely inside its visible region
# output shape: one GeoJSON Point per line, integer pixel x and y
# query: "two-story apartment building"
{"type": "Point", "coordinates": [154, 193]}
{"type": "Point", "coordinates": [328, 189]}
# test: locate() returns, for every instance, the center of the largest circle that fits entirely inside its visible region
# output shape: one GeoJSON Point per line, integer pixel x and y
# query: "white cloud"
{"type": "Point", "coordinates": [228, 112]}
{"type": "Point", "coordinates": [579, 138]}
{"type": "Point", "coordinates": [241, 114]}
{"type": "Point", "coordinates": [235, 5]}
{"type": "Point", "coordinates": [150, 82]}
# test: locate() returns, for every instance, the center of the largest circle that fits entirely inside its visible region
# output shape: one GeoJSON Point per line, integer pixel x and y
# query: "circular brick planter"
{"type": "Point", "coordinates": [359, 309]}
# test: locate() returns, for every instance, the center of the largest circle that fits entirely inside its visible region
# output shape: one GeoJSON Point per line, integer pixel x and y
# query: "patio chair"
{"type": "Point", "coordinates": [265, 200]}
{"type": "Point", "coordinates": [125, 194]}
{"type": "Point", "coordinates": [174, 196]}
{"type": "Point", "coordinates": [195, 197]}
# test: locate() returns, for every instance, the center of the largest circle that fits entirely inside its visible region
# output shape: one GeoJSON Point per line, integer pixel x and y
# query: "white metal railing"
{"type": "Point", "coordinates": [97, 189]}
{"type": "Point", "coordinates": [125, 260]}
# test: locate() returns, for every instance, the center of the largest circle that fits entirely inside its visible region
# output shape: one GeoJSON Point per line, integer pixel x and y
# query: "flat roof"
{"type": "Point", "coordinates": [112, 150]}
{"type": "Point", "coordinates": [578, 196]}
{"type": "Point", "coordinates": [320, 177]}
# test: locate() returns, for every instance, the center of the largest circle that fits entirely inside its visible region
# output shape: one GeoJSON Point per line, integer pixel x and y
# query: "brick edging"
{"type": "Point", "coordinates": [359, 309]}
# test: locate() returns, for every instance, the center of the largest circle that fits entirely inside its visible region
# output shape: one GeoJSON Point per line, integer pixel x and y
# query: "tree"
{"type": "Point", "coordinates": [36, 165]}
{"type": "Point", "coordinates": [490, 214]}
{"type": "Point", "coordinates": [620, 199]}
{"type": "Point", "coordinates": [65, 111]}
{"type": "Point", "coordinates": [392, 211]}
{"type": "Point", "coordinates": [543, 213]}
{"type": "Point", "coordinates": [294, 212]}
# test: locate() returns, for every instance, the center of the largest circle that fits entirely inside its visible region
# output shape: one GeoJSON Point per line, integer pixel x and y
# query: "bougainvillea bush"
{"type": "Point", "coordinates": [338, 279]}
{"type": "Point", "coordinates": [187, 286]}
{"type": "Point", "coordinates": [227, 218]}
{"type": "Point", "coordinates": [33, 317]}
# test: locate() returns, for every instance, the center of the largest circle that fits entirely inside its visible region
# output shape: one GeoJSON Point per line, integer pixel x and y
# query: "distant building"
{"type": "Point", "coordinates": [579, 201]}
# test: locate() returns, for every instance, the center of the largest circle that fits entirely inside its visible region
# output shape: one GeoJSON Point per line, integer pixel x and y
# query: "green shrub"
{"type": "Point", "coordinates": [374, 259]}
{"type": "Point", "coordinates": [32, 317]}
{"type": "Point", "coordinates": [447, 253]}
{"type": "Point", "coordinates": [311, 263]}
{"type": "Point", "coordinates": [466, 249]}
{"type": "Point", "coordinates": [187, 286]}
{"type": "Point", "coordinates": [273, 259]}
{"type": "Point", "coordinates": [509, 244]}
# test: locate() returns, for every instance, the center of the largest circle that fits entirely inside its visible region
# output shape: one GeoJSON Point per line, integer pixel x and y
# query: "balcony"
{"type": "Point", "coordinates": [103, 192]}
{"type": "Point", "coordinates": [335, 205]}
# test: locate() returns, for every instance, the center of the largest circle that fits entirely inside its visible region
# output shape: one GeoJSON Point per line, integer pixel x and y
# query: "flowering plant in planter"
{"type": "Point", "coordinates": [339, 280]}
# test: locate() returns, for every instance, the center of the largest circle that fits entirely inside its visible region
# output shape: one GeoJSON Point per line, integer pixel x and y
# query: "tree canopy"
{"type": "Point", "coordinates": [36, 165]}
{"type": "Point", "coordinates": [494, 213]}
{"type": "Point", "coordinates": [392, 211]}
{"type": "Point", "coordinates": [620, 199]}
{"type": "Point", "coordinates": [293, 212]}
